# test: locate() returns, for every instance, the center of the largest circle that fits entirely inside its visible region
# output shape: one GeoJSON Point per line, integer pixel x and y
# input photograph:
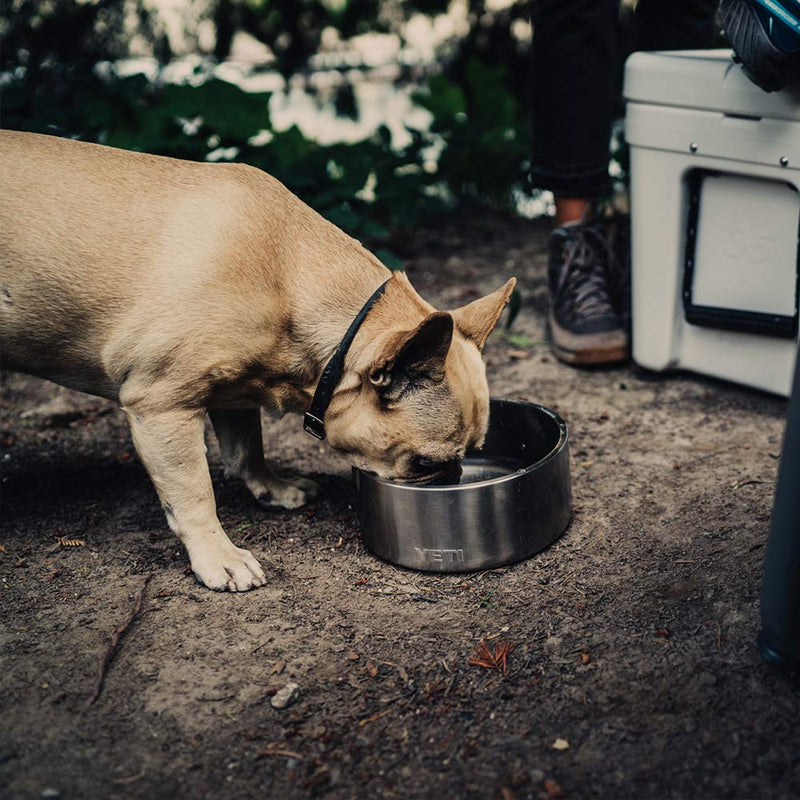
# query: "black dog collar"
{"type": "Point", "coordinates": [314, 421]}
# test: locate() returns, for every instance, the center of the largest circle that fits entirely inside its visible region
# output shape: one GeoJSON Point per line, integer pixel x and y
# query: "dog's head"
{"type": "Point", "coordinates": [416, 396]}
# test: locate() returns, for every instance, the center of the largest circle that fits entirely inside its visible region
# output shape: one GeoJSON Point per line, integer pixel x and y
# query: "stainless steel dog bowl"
{"type": "Point", "coordinates": [513, 499]}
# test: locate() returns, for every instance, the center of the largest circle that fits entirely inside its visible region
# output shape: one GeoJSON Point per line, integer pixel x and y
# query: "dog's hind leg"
{"type": "Point", "coordinates": [239, 436]}
{"type": "Point", "coordinates": [171, 446]}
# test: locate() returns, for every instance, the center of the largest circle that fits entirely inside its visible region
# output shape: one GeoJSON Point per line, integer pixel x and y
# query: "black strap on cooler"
{"type": "Point", "coordinates": [314, 420]}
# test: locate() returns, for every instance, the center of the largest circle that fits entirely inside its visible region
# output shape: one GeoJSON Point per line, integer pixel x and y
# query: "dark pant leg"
{"type": "Point", "coordinates": [574, 51]}
{"type": "Point", "coordinates": [676, 24]}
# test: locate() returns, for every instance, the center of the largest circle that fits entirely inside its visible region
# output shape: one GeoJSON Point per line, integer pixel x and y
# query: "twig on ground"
{"type": "Point", "coordinates": [739, 484]}
{"type": "Point", "coordinates": [372, 718]}
{"type": "Point", "coordinates": [274, 749]}
{"type": "Point", "coordinates": [129, 779]}
{"type": "Point", "coordinates": [113, 645]}
{"type": "Point", "coordinates": [64, 542]}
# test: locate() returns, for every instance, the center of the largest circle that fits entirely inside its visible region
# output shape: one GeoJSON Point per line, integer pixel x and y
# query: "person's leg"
{"type": "Point", "coordinates": [570, 209]}
{"type": "Point", "coordinates": [574, 50]}
{"type": "Point", "coordinates": [676, 24]}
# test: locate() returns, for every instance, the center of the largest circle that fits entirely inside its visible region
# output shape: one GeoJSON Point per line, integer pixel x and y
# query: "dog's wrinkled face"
{"type": "Point", "coordinates": [424, 400]}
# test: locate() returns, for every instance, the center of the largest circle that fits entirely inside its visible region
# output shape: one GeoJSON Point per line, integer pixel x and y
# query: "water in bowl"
{"type": "Point", "coordinates": [475, 469]}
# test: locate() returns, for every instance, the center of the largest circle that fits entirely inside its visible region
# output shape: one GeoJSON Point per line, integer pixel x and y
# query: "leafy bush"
{"type": "Point", "coordinates": [367, 188]}
{"type": "Point", "coordinates": [487, 137]}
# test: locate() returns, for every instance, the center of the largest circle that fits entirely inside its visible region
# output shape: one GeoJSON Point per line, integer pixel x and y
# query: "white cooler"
{"type": "Point", "coordinates": [715, 200]}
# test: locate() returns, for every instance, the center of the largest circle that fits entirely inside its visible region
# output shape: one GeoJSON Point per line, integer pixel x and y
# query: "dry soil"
{"type": "Point", "coordinates": [634, 673]}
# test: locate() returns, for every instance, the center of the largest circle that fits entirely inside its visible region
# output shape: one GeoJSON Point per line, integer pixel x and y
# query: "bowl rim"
{"type": "Point", "coordinates": [563, 438]}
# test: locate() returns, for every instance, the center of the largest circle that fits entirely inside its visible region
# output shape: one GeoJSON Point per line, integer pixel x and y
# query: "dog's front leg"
{"type": "Point", "coordinates": [239, 436]}
{"type": "Point", "coordinates": [171, 446]}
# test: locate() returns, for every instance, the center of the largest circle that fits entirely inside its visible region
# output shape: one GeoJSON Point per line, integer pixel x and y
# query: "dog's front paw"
{"type": "Point", "coordinates": [287, 493]}
{"type": "Point", "coordinates": [225, 567]}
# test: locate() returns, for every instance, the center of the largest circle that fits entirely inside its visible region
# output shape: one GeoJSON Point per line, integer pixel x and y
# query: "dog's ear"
{"type": "Point", "coordinates": [477, 320]}
{"type": "Point", "coordinates": [413, 358]}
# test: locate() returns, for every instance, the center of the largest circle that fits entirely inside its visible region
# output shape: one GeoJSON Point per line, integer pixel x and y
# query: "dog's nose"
{"type": "Point", "coordinates": [436, 472]}
{"type": "Point", "coordinates": [450, 475]}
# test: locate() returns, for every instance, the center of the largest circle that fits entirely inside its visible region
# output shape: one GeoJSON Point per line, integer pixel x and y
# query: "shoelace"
{"type": "Point", "coordinates": [582, 280]}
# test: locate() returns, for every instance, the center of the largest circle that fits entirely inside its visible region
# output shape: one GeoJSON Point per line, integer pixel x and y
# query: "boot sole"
{"type": "Point", "coordinates": [592, 355]}
{"type": "Point", "coordinates": [610, 347]}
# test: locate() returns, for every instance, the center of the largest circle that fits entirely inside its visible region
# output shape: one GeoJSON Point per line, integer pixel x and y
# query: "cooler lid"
{"type": "Point", "coordinates": [704, 79]}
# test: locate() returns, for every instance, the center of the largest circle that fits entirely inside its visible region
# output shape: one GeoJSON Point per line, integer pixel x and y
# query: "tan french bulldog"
{"type": "Point", "coordinates": [181, 288]}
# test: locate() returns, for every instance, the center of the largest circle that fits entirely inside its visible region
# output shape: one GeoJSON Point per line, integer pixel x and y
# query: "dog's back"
{"type": "Point", "coordinates": [87, 232]}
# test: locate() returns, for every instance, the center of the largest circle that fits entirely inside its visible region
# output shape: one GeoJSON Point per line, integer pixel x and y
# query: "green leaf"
{"type": "Point", "coordinates": [344, 216]}
{"type": "Point", "coordinates": [518, 339]}
{"type": "Point", "coordinates": [373, 230]}
{"type": "Point", "coordinates": [225, 108]}
{"type": "Point", "coordinates": [443, 99]}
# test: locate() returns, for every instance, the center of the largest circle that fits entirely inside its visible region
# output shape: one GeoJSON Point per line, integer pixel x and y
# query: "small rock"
{"type": "Point", "coordinates": [536, 776]}
{"type": "Point", "coordinates": [50, 792]}
{"type": "Point", "coordinates": [560, 744]}
{"type": "Point", "coordinates": [552, 644]}
{"type": "Point", "coordinates": [706, 679]}
{"type": "Point", "coordinates": [286, 696]}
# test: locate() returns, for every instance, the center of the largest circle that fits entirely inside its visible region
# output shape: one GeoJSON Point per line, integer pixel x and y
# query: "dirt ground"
{"type": "Point", "coordinates": [634, 674]}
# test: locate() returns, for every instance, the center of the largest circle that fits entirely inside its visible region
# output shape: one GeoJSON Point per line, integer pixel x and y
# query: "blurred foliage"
{"type": "Point", "coordinates": [59, 77]}
{"type": "Point", "coordinates": [484, 130]}
{"type": "Point", "coordinates": [366, 188]}
{"type": "Point", "coordinates": [50, 51]}
{"type": "Point", "coordinates": [292, 29]}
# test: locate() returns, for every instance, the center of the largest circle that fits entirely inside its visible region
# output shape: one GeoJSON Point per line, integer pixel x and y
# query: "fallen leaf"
{"type": "Point", "coordinates": [663, 632]}
{"type": "Point", "coordinates": [553, 789]}
{"type": "Point", "coordinates": [361, 581]}
{"type": "Point", "coordinates": [584, 658]}
{"type": "Point", "coordinates": [507, 793]}
{"type": "Point", "coordinates": [372, 670]}
{"type": "Point", "coordinates": [278, 668]}
{"type": "Point", "coordinates": [560, 744]}
{"type": "Point", "coordinates": [482, 656]}
{"type": "Point", "coordinates": [353, 656]}
{"type": "Point", "coordinates": [517, 355]}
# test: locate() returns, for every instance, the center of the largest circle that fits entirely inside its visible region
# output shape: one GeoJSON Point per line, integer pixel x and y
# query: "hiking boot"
{"type": "Point", "coordinates": [585, 326]}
